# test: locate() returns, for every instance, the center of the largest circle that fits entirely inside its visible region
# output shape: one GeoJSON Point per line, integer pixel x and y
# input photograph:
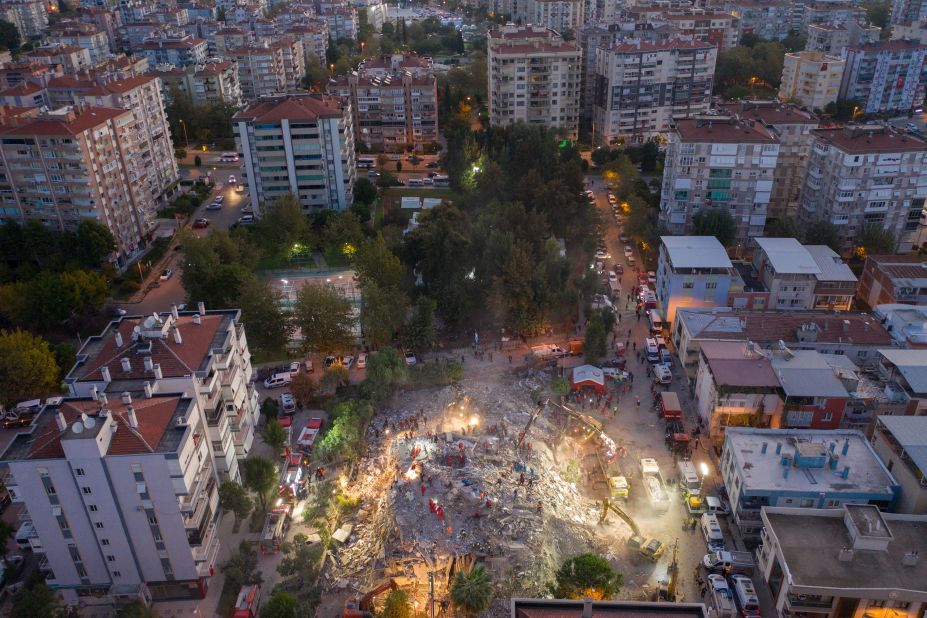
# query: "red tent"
{"type": "Point", "coordinates": [588, 378]}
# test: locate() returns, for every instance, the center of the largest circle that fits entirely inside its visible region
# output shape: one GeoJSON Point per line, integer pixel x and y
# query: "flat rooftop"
{"type": "Point", "coordinates": [911, 364]}
{"type": "Point", "coordinates": [734, 363]}
{"type": "Point", "coordinates": [811, 541]}
{"type": "Point", "coordinates": [831, 265]}
{"type": "Point", "coordinates": [910, 432]}
{"type": "Point", "coordinates": [807, 373]}
{"type": "Point", "coordinates": [695, 252]}
{"type": "Point", "coordinates": [787, 256]}
{"type": "Point", "coordinates": [763, 472]}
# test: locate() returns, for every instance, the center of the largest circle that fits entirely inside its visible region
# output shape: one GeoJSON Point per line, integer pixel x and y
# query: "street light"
{"type": "Point", "coordinates": [703, 468]}
{"type": "Point", "coordinates": [183, 125]}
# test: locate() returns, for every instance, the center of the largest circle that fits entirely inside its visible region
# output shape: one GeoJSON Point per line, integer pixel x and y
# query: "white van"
{"type": "Point", "coordinates": [656, 322]}
{"type": "Point", "coordinates": [653, 352]}
{"type": "Point", "coordinates": [277, 380]}
{"type": "Point", "coordinates": [414, 182]}
{"type": "Point", "coordinates": [745, 594]}
{"type": "Point", "coordinates": [688, 478]}
{"type": "Point", "coordinates": [711, 530]}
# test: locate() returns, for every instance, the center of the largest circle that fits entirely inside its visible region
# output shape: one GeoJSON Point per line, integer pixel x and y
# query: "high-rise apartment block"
{"type": "Point", "coordinates": [272, 68]}
{"type": "Point", "coordinates": [769, 20]}
{"type": "Point", "coordinates": [558, 15]}
{"type": "Point", "coordinates": [718, 162]}
{"type": "Point", "coordinates": [29, 16]}
{"type": "Point", "coordinates": [861, 175]}
{"type": "Point", "coordinates": [301, 145]}
{"type": "Point", "coordinates": [907, 12]}
{"type": "Point", "coordinates": [641, 88]}
{"type": "Point", "coordinates": [534, 77]}
{"type": "Point", "coordinates": [890, 76]}
{"type": "Point", "coordinates": [395, 103]}
{"type": "Point", "coordinates": [206, 84]}
{"type": "Point", "coordinates": [178, 51]}
{"type": "Point", "coordinates": [811, 78]}
{"type": "Point", "coordinates": [833, 39]}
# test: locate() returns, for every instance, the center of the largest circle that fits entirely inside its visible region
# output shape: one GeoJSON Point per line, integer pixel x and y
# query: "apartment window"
{"type": "Point", "coordinates": [79, 471]}
{"type": "Point", "coordinates": [93, 508]}
{"type": "Point", "coordinates": [711, 285]}
{"type": "Point", "coordinates": [104, 541]}
{"type": "Point", "coordinates": [117, 574]}
{"type": "Point", "coordinates": [86, 490]}
{"type": "Point", "coordinates": [111, 558]}
{"type": "Point", "coordinates": [827, 417]}
{"type": "Point", "coordinates": [99, 525]}
{"type": "Point", "coordinates": [687, 285]}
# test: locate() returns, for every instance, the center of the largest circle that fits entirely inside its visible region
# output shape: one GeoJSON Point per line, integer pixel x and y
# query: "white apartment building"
{"type": "Point", "coordinates": [833, 39]}
{"type": "Point", "coordinates": [534, 77]}
{"type": "Point", "coordinates": [558, 15]}
{"type": "Point", "coordinates": [845, 562]}
{"type": "Point", "coordinates": [86, 36]}
{"type": "Point", "coordinates": [641, 88]}
{"type": "Point", "coordinates": [866, 174]}
{"type": "Point", "coordinates": [811, 78]}
{"type": "Point", "coordinates": [204, 354]}
{"type": "Point", "coordinates": [181, 51]}
{"type": "Point", "coordinates": [718, 162]}
{"type": "Point", "coordinates": [799, 277]}
{"type": "Point", "coordinates": [271, 68]}
{"type": "Point", "coordinates": [901, 443]}
{"type": "Point", "coordinates": [121, 497]}
{"type": "Point", "coordinates": [30, 17]}
{"type": "Point", "coordinates": [301, 145]}
{"type": "Point", "coordinates": [215, 82]}
{"type": "Point", "coordinates": [887, 76]}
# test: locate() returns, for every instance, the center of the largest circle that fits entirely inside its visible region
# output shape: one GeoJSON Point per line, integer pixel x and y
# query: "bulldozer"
{"type": "Point", "coordinates": [363, 607]}
{"type": "Point", "coordinates": [648, 547]}
{"type": "Point", "coordinates": [668, 589]}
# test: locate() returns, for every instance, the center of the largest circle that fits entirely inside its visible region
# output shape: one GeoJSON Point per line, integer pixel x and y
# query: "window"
{"type": "Point", "coordinates": [111, 558]}
{"type": "Point", "coordinates": [117, 574]}
{"type": "Point", "coordinates": [104, 541]}
{"type": "Point", "coordinates": [79, 471]}
{"type": "Point", "coordinates": [807, 503]}
{"type": "Point", "coordinates": [687, 285]}
{"type": "Point", "coordinates": [93, 508]}
{"type": "Point", "coordinates": [86, 490]}
{"type": "Point", "coordinates": [99, 525]}
{"type": "Point", "coordinates": [711, 285]}
{"type": "Point", "coordinates": [827, 417]}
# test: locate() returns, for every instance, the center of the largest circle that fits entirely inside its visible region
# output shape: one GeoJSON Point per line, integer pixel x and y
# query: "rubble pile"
{"type": "Point", "coordinates": [443, 482]}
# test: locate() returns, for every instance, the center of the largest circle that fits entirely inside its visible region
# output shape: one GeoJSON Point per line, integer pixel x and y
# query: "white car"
{"type": "Point", "coordinates": [603, 255]}
{"type": "Point", "coordinates": [410, 358]}
{"type": "Point", "coordinates": [628, 251]}
{"type": "Point", "coordinates": [232, 179]}
{"type": "Point", "coordinates": [294, 368]}
{"type": "Point", "coordinates": [612, 277]}
{"type": "Point", "coordinates": [362, 360]}
{"type": "Point", "coordinates": [347, 361]}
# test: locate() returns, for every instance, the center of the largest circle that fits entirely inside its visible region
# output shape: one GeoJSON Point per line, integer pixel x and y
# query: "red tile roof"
{"type": "Point", "coordinates": [89, 118]}
{"type": "Point", "coordinates": [771, 326]}
{"type": "Point", "coordinates": [723, 130]}
{"type": "Point", "coordinates": [154, 419]}
{"type": "Point", "coordinates": [639, 46]}
{"type": "Point", "coordinates": [775, 113]}
{"type": "Point", "coordinates": [292, 107]}
{"type": "Point", "coordinates": [865, 140]}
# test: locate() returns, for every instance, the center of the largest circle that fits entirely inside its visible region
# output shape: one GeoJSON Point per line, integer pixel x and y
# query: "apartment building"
{"type": "Point", "coordinates": [29, 16]}
{"type": "Point", "coordinates": [720, 29]}
{"type": "Point", "coordinates": [301, 145]}
{"type": "Point", "coordinates": [907, 12]}
{"type": "Point", "coordinates": [693, 272]}
{"type": "Point", "coordinates": [830, 12]}
{"type": "Point", "coordinates": [718, 162]}
{"type": "Point", "coordinates": [814, 561]}
{"type": "Point", "coordinates": [769, 20]}
{"type": "Point", "coordinates": [893, 279]}
{"type": "Point", "coordinates": [799, 277]}
{"type": "Point", "coordinates": [73, 60]}
{"type": "Point", "coordinates": [151, 155]}
{"type": "Point", "coordinates": [394, 111]}
{"type": "Point", "coordinates": [642, 88]}
{"type": "Point", "coordinates": [69, 165]}
{"type": "Point", "coordinates": [526, 608]}
{"type": "Point", "coordinates": [558, 15]}
{"type": "Point", "coordinates": [590, 38]}
{"type": "Point", "coordinates": [342, 22]}
{"type": "Point", "coordinates": [227, 40]}
{"type": "Point", "coordinates": [889, 76]}
{"type": "Point", "coordinates": [215, 82]}
{"type": "Point", "coordinates": [811, 78]}
{"type": "Point", "coordinates": [907, 323]}
{"type": "Point", "coordinates": [271, 68]}
{"type": "Point", "coordinates": [120, 495]}
{"type": "Point", "coordinates": [314, 36]}
{"type": "Point", "coordinates": [792, 126]}
{"type": "Point", "coordinates": [856, 336]}
{"type": "Point", "coordinates": [904, 373]}
{"type": "Point", "coordinates": [534, 77]}
{"type": "Point", "coordinates": [178, 51]}
{"type": "Point", "coordinates": [800, 469]}
{"type": "Point", "coordinates": [901, 443]}
{"type": "Point", "coordinates": [202, 353]}
{"type": "Point", "coordinates": [86, 36]}
{"type": "Point", "coordinates": [860, 175]}
{"type": "Point", "coordinates": [833, 39]}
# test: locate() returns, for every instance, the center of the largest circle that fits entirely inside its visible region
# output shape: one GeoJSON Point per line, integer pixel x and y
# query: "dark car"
{"type": "Point", "coordinates": [200, 223]}
{"type": "Point", "coordinates": [432, 165]}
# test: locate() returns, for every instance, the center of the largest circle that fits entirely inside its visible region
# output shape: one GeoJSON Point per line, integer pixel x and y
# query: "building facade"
{"type": "Point", "coordinates": [558, 15]}
{"type": "Point", "coordinates": [534, 77]}
{"type": "Point", "coordinates": [811, 78]}
{"type": "Point", "coordinates": [301, 145]}
{"type": "Point", "coordinates": [642, 88]}
{"type": "Point", "coordinates": [718, 162]}
{"type": "Point", "coordinates": [692, 272]}
{"type": "Point", "coordinates": [901, 442]}
{"type": "Point", "coordinates": [889, 76]}
{"type": "Point", "coordinates": [893, 279]}
{"type": "Point", "coordinates": [208, 84]}
{"type": "Point", "coordinates": [180, 51]}
{"type": "Point", "coordinates": [859, 175]}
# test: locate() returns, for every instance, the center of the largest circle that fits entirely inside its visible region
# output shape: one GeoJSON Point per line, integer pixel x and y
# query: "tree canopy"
{"type": "Point", "coordinates": [325, 318]}
{"type": "Point", "coordinates": [715, 222]}
{"type": "Point", "coordinates": [471, 593]}
{"type": "Point", "coordinates": [586, 575]}
{"type": "Point", "coordinates": [27, 367]}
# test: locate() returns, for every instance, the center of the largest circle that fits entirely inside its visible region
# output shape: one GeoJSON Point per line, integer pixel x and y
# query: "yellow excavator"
{"type": "Point", "coordinates": [648, 547]}
{"type": "Point", "coordinates": [667, 590]}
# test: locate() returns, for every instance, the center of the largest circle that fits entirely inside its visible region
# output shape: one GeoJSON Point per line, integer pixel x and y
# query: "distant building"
{"type": "Point", "coordinates": [642, 88]}
{"type": "Point", "coordinates": [803, 277]}
{"type": "Point", "coordinates": [342, 22]}
{"type": "Point", "coordinates": [769, 20]}
{"type": "Point", "coordinates": [534, 77]}
{"type": "Point", "coordinates": [830, 12]}
{"type": "Point", "coordinates": [208, 84]}
{"type": "Point", "coordinates": [720, 29]}
{"type": "Point", "coordinates": [907, 12]}
{"type": "Point", "coordinates": [858, 336]}
{"type": "Point", "coordinates": [833, 39]}
{"type": "Point", "coordinates": [906, 323]}
{"type": "Point", "coordinates": [270, 69]}
{"type": "Point", "coordinates": [848, 562]}
{"type": "Point", "coordinates": [72, 59]}
{"type": "Point", "coordinates": [315, 135]}
{"type": "Point", "coordinates": [798, 468]}
{"type": "Point", "coordinates": [894, 279]}
{"type": "Point", "coordinates": [811, 78]}
{"type": "Point", "coordinates": [855, 177]}
{"type": "Point", "coordinates": [29, 16]}
{"type": "Point", "coordinates": [901, 442]}
{"type": "Point", "coordinates": [182, 51]}
{"type": "Point", "coordinates": [888, 76]}
{"type": "Point", "coordinates": [692, 271]}
{"type": "Point", "coordinates": [718, 162]}
{"type": "Point", "coordinates": [558, 15]}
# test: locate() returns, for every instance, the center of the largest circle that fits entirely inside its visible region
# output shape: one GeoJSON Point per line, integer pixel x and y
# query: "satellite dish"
{"type": "Point", "coordinates": [90, 423]}
{"type": "Point", "coordinates": [78, 427]}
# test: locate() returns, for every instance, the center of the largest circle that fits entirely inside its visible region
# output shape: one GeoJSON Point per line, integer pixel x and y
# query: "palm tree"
{"type": "Point", "coordinates": [471, 592]}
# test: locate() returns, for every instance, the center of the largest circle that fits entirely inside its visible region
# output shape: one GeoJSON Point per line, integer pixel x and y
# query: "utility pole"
{"type": "Point", "coordinates": [431, 594]}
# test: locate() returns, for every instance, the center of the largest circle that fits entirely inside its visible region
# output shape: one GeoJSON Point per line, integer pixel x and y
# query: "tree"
{"type": "Point", "coordinates": [398, 166]}
{"type": "Point", "coordinates": [784, 227]}
{"type": "Point", "coordinates": [281, 605]}
{"type": "Point", "coordinates": [471, 593]}
{"type": "Point", "coordinates": [397, 605]}
{"type": "Point", "coordinates": [375, 263]}
{"type": "Point", "coordinates": [560, 386]}
{"type": "Point", "coordinates": [365, 191]}
{"type": "Point", "coordinates": [878, 12]}
{"type": "Point", "coordinates": [345, 435]}
{"type": "Point", "coordinates": [419, 333]}
{"type": "Point", "coordinates": [586, 575]}
{"type": "Point", "coordinates": [304, 388]}
{"type": "Point", "coordinates": [27, 367]}
{"type": "Point", "coordinates": [9, 35]}
{"type": "Point", "coordinates": [283, 228]}
{"type": "Point", "coordinates": [715, 222]}
{"type": "Point", "coordinates": [382, 313]}
{"type": "Point", "coordinates": [843, 110]}
{"type": "Point", "coordinates": [875, 240]}
{"type": "Point", "coordinates": [241, 567]}
{"type": "Point", "coordinates": [233, 498]}
{"type": "Point", "coordinates": [823, 232]}
{"type": "Point", "coordinates": [197, 162]}
{"type": "Point", "coordinates": [259, 474]}
{"type": "Point", "coordinates": [334, 376]}
{"type": "Point", "coordinates": [325, 318]}
{"type": "Point", "coordinates": [270, 408]}
{"type": "Point", "coordinates": [7, 532]}
{"type": "Point", "coordinates": [37, 601]}
{"type": "Point", "coordinates": [596, 338]}
{"type": "Point", "coordinates": [268, 325]}
{"type": "Point", "coordinates": [386, 371]}
{"type": "Point", "coordinates": [274, 435]}
{"type": "Point", "coordinates": [94, 243]}
{"type": "Point", "coordinates": [136, 609]}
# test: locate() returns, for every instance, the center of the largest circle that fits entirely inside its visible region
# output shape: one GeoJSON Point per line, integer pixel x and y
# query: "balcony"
{"type": "Point", "coordinates": [810, 603]}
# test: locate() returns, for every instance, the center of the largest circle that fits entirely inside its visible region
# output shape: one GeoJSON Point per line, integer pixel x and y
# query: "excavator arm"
{"type": "Point", "coordinates": [608, 505]}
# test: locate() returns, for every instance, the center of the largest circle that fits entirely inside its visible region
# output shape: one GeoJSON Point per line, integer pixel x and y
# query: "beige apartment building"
{"type": "Point", "coordinates": [864, 174]}
{"type": "Point", "coordinates": [214, 82]}
{"type": "Point", "coordinates": [558, 15]}
{"type": "Point", "coordinates": [811, 78]}
{"type": "Point", "coordinates": [69, 165]}
{"type": "Point", "coordinates": [641, 87]}
{"type": "Point", "coordinates": [272, 68]}
{"type": "Point", "coordinates": [534, 77]}
{"type": "Point", "coordinates": [395, 108]}
{"type": "Point", "coordinates": [718, 162]}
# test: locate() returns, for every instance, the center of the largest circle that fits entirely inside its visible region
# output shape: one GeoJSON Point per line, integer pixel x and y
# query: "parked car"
{"type": "Point", "coordinates": [167, 274]}
{"type": "Point", "coordinates": [287, 403]}
{"type": "Point", "coordinates": [214, 206]}
{"type": "Point", "coordinates": [277, 380]}
{"type": "Point", "coordinates": [246, 220]}
{"type": "Point", "coordinates": [362, 360]}
{"type": "Point", "coordinates": [347, 361]}
{"type": "Point", "coordinates": [433, 165]}
{"type": "Point", "coordinates": [219, 199]}
{"type": "Point", "coordinates": [200, 224]}
{"type": "Point", "coordinates": [410, 358]}
{"type": "Point", "coordinates": [232, 179]}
